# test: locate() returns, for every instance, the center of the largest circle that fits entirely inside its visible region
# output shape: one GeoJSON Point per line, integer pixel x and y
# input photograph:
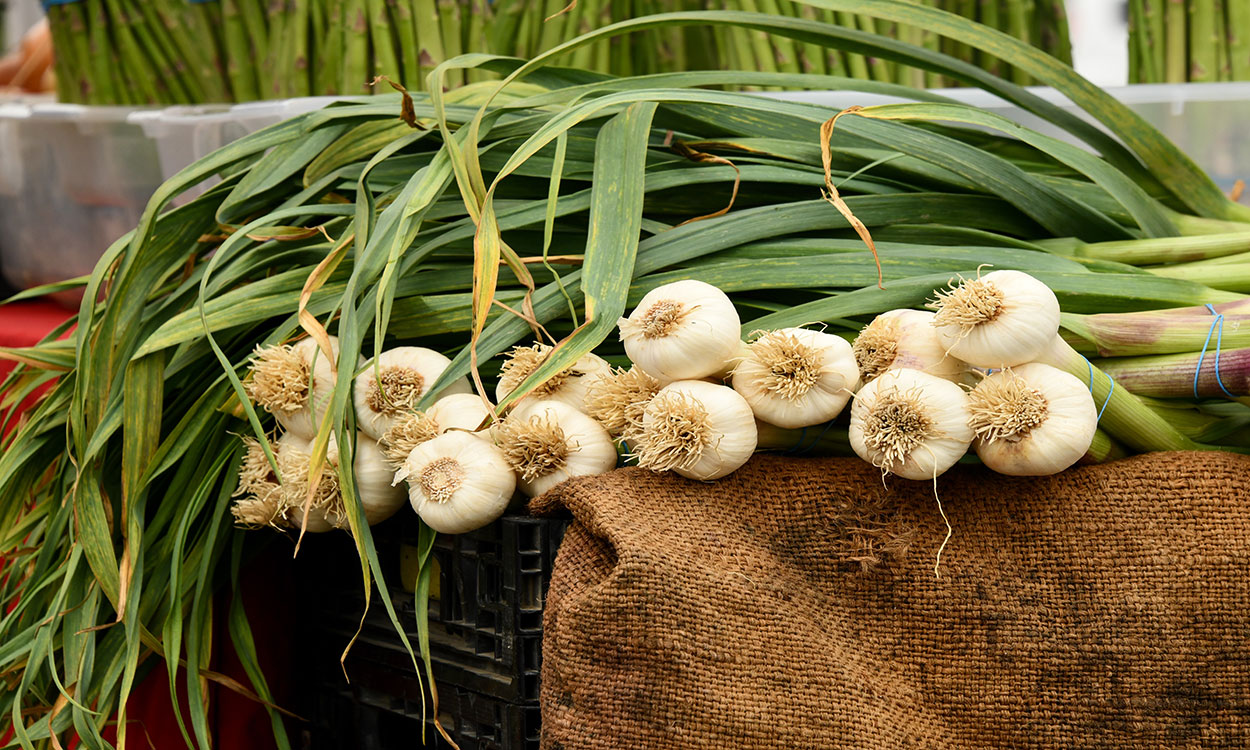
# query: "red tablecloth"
{"type": "Point", "coordinates": [237, 721]}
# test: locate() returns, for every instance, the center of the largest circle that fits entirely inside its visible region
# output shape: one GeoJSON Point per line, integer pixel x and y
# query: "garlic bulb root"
{"type": "Point", "coordinates": [618, 399]}
{"type": "Point", "coordinates": [407, 433]}
{"type": "Point", "coordinates": [534, 446]}
{"type": "Point", "coordinates": [389, 388]}
{"type": "Point", "coordinates": [1032, 420]}
{"type": "Point", "coordinates": [547, 442]}
{"type": "Point", "coordinates": [280, 378]}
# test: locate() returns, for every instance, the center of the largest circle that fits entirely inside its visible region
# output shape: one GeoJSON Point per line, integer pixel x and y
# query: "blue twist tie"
{"type": "Point", "coordinates": [49, 3]}
{"type": "Point", "coordinates": [798, 443]}
{"type": "Point", "coordinates": [810, 448]}
{"type": "Point", "coordinates": [1218, 323]}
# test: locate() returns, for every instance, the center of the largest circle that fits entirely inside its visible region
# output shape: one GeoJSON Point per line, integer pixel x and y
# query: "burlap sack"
{"type": "Point", "coordinates": [794, 605]}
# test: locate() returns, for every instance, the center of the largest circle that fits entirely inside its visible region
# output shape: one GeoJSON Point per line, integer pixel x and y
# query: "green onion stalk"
{"type": "Point", "coordinates": [116, 486]}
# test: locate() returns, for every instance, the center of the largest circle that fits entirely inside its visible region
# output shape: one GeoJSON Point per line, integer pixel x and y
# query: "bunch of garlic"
{"type": "Point", "coordinates": [796, 377]}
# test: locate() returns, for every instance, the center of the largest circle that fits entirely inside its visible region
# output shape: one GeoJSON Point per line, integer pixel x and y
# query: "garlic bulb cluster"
{"type": "Point", "coordinates": [547, 442]}
{"type": "Point", "coordinates": [910, 423]}
{"type": "Point", "coordinates": [294, 383]}
{"type": "Point", "coordinates": [795, 377]}
{"type": "Point", "coordinates": [1031, 420]}
{"type": "Point", "coordinates": [904, 339]}
{"type": "Point", "coordinates": [569, 386]}
{"type": "Point", "coordinates": [682, 331]}
{"type": "Point", "coordinates": [1002, 319]}
{"type": "Point", "coordinates": [457, 482]}
{"type": "Point", "coordinates": [388, 389]}
{"type": "Point", "coordinates": [698, 429]}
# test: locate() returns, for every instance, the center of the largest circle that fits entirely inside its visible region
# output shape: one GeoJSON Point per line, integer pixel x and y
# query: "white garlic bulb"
{"type": "Point", "coordinates": [1032, 420]}
{"type": "Point", "coordinates": [379, 498]}
{"type": "Point", "coordinates": [281, 380]}
{"type": "Point", "coordinates": [387, 390]}
{"type": "Point", "coordinates": [904, 338]}
{"type": "Point", "coordinates": [796, 377]}
{"type": "Point", "coordinates": [547, 442]}
{"type": "Point", "coordinates": [1002, 319]}
{"type": "Point", "coordinates": [569, 386]}
{"type": "Point", "coordinates": [910, 423]}
{"type": "Point", "coordinates": [372, 475]}
{"type": "Point", "coordinates": [459, 411]}
{"type": "Point", "coordinates": [457, 482]}
{"type": "Point", "coordinates": [682, 331]}
{"type": "Point", "coordinates": [698, 429]}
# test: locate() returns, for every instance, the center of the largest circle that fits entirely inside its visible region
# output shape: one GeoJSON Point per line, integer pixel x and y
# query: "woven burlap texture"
{"type": "Point", "coordinates": [794, 604]}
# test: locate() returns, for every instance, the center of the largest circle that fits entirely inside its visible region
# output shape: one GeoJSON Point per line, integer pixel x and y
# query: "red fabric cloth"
{"type": "Point", "coordinates": [237, 722]}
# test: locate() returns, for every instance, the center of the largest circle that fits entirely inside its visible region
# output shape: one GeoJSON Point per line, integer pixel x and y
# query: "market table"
{"type": "Point", "coordinates": [237, 721]}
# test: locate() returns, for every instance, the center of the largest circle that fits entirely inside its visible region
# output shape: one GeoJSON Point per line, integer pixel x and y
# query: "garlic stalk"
{"type": "Point", "coordinates": [569, 386]}
{"type": "Point", "coordinates": [1001, 319]}
{"type": "Point", "coordinates": [698, 429]}
{"type": "Point", "coordinates": [459, 411]}
{"type": "Point", "coordinates": [904, 338]}
{"type": "Point", "coordinates": [388, 389]}
{"type": "Point", "coordinates": [547, 442]}
{"type": "Point", "coordinates": [1031, 420]}
{"type": "Point", "coordinates": [796, 377]}
{"type": "Point", "coordinates": [910, 423]}
{"type": "Point", "coordinates": [618, 399]}
{"type": "Point", "coordinates": [682, 331]}
{"type": "Point", "coordinates": [457, 482]}
{"type": "Point", "coordinates": [294, 383]}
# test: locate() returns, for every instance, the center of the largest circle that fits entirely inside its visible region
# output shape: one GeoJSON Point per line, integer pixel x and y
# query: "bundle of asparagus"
{"type": "Point", "coordinates": [1175, 41]}
{"type": "Point", "coordinates": [132, 52]}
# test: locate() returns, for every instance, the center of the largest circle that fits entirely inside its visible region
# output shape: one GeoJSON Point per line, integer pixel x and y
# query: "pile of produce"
{"type": "Point", "coordinates": [187, 52]}
{"type": "Point", "coordinates": [1174, 41]}
{"type": "Point", "coordinates": [306, 303]}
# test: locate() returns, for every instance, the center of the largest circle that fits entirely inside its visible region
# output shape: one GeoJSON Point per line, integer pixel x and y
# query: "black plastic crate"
{"type": "Point", "coordinates": [369, 719]}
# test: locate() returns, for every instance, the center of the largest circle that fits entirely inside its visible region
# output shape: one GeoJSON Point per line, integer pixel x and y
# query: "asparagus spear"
{"type": "Point", "coordinates": [238, 53]}
{"type": "Point", "coordinates": [1176, 40]}
{"type": "Point", "coordinates": [1203, 42]}
{"type": "Point", "coordinates": [449, 25]}
{"type": "Point", "coordinates": [1239, 39]}
{"type": "Point", "coordinates": [356, 66]}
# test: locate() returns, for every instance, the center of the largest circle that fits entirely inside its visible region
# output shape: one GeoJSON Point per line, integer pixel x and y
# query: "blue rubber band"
{"type": "Point", "coordinates": [1109, 392]}
{"type": "Point", "coordinates": [798, 444]}
{"type": "Point", "coordinates": [1217, 328]}
{"type": "Point", "coordinates": [816, 442]}
{"type": "Point", "coordinates": [49, 3]}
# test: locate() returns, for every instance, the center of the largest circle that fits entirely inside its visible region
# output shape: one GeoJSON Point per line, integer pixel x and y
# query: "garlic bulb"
{"type": "Point", "coordinates": [569, 386]}
{"type": "Point", "coordinates": [388, 389]}
{"type": "Point", "coordinates": [1032, 420]}
{"type": "Point", "coordinates": [795, 377]}
{"type": "Point", "coordinates": [682, 331]}
{"type": "Point", "coordinates": [378, 498]}
{"type": "Point", "coordinates": [546, 442]}
{"type": "Point", "coordinates": [698, 429]}
{"type": "Point", "coordinates": [459, 411]}
{"type": "Point", "coordinates": [457, 482]}
{"type": "Point", "coordinates": [904, 338]}
{"type": "Point", "coordinates": [281, 380]}
{"type": "Point", "coordinates": [910, 423]}
{"type": "Point", "coordinates": [1002, 319]}
{"type": "Point", "coordinates": [618, 399]}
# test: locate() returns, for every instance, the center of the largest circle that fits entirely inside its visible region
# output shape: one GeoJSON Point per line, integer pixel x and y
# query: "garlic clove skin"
{"type": "Point", "coordinates": [682, 331]}
{"type": "Point", "coordinates": [905, 339]}
{"type": "Point", "coordinates": [460, 411]}
{"type": "Point", "coordinates": [405, 374]}
{"type": "Point", "coordinates": [797, 377]}
{"type": "Point", "coordinates": [569, 386]}
{"type": "Point", "coordinates": [585, 447]}
{"type": "Point", "coordinates": [1002, 319]}
{"type": "Point", "coordinates": [458, 482]}
{"type": "Point", "coordinates": [698, 429]}
{"type": "Point", "coordinates": [910, 423]}
{"type": "Point", "coordinates": [1032, 420]}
